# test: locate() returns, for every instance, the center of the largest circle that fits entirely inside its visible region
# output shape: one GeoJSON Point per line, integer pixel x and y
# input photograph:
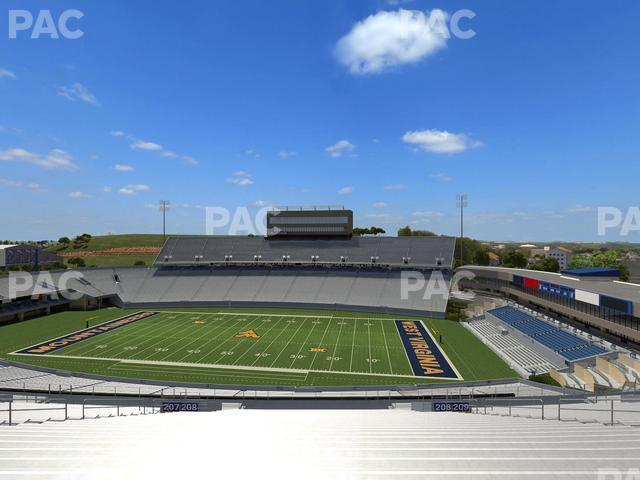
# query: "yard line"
{"type": "Point", "coordinates": [272, 342]}
{"type": "Point", "coordinates": [321, 340]}
{"type": "Point", "coordinates": [89, 345]}
{"type": "Point", "coordinates": [303, 342]}
{"type": "Point", "coordinates": [386, 345]}
{"type": "Point", "coordinates": [353, 345]}
{"type": "Point", "coordinates": [292, 337]}
{"type": "Point", "coordinates": [197, 339]}
{"type": "Point", "coordinates": [162, 336]}
{"type": "Point", "coordinates": [257, 341]}
{"type": "Point", "coordinates": [243, 327]}
{"type": "Point", "coordinates": [369, 335]}
{"type": "Point", "coordinates": [336, 349]}
{"type": "Point", "coordinates": [232, 325]}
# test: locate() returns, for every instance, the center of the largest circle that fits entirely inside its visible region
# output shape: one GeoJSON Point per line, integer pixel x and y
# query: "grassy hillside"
{"type": "Point", "coordinates": [112, 241]}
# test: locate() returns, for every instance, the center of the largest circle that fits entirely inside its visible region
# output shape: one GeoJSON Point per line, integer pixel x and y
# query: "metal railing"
{"type": "Point", "coordinates": [67, 410]}
{"type": "Point", "coordinates": [604, 410]}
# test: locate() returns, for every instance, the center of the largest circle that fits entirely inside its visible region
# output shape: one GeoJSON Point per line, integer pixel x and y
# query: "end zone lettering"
{"type": "Point", "coordinates": [425, 356]}
{"type": "Point", "coordinates": [61, 342]}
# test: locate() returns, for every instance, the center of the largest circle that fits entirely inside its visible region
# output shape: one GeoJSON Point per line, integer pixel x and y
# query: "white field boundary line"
{"type": "Point", "coordinates": [453, 366]}
{"type": "Point", "coordinates": [275, 315]}
{"type": "Point", "coordinates": [386, 345]}
{"type": "Point", "coordinates": [229, 367]}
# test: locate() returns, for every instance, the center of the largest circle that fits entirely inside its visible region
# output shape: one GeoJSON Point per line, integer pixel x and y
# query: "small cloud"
{"type": "Point", "coordinates": [579, 209]}
{"type": "Point", "coordinates": [379, 205]}
{"type": "Point", "coordinates": [79, 195]}
{"type": "Point", "coordinates": [142, 145]}
{"type": "Point", "coordinates": [117, 133]}
{"type": "Point", "coordinates": [376, 140]}
{"type": "Point", "coordinates": [134, 189]}
{"type": "Point", "coordinates": [345, 190]}
{"type": "Point", "coordinates": [240, 178]}
{"type": "Point", "coordinates": [286, 154]}
{"type": "Point", "coordinates": [395, 186]}
{"type": "Point", "coordinates": [340, 148]}
{"type": "Point", "coordinates": [440, 141]}
{"type": "Point", "coordinates": [253, 153]}
{"type": "Point", "coordinates": [106, 189]}
{"type": "Point", "coordinates": [6, 73]}
{"type": "Point", "coordinates": [78, 92]}
{"type": "Point", "coordinates": [54, 160]}
{"type": "Point", "coordinates": [35, 187]}
{"type": "Point", "coordinates": [189, 160]}
{"type": "Point", "coordinates": [441, 177]}
{"type": "Point", "coordinates": [427, 214]}
{"type": "Point", "coordinates": [122, 168]}
{"type": "Point", "coordinates": [262, 203]}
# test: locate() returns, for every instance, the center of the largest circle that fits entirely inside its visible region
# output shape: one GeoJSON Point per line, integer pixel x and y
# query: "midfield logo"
{"type": "Point", "coordinates": [248, 334]}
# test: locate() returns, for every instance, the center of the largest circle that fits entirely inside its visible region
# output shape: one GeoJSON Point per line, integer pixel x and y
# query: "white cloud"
{"type": "Point", "coordinates": [440, 141]}
{"type": "Point", "coordinates": [345, 190]}
{"type": "Point", "coordinates": [379, 205]}
{"type": "Point", "coordinates": [134, 189]}
{"type": "Point", "coordinates": [35, 187]}
{"type": "Point", "coordinates": [6, 73]}
{"type": "Point", "coordinates": [262, 203]}
{"type": "Point", "coordinates": [427, 214]}
{"type": "Point", "coordinates": [441, 177]}
{"type": "Point", "coordinates": [286, 154]}
{"type": "Point", "coordinates": [142, 145]}
{"type": "Point", "coordinates": [117, 133]}
{"type": "Point", "coordinates": [243, 182]}
{"type": "Point", "coordinates": [55, 159]}
{"type": "Point", "coordinates": [579, 209]}
{"type": "Point", "coordinates": [118, 167]}
{"type": "Point", "coordinates": [340, 148]}
{"type": "Point", "coordinates": [253, 153]}
{"type": "Point", "coordinates": [169, 154]}
{"type": "Point", "coordinates": [240, 178]}
{"type": "Point", "coordinates": [106, 189]}
{"type": "Point", "coordinates": [395, 186]}
{"type": "Point", "coordinates": [388, 39]}
{"type": "Point", "coordinates": [79, 195]}
{"type": "Point", "coordinates": [78, 92]}
{"type": "Point", "coordinates": [189, 160]}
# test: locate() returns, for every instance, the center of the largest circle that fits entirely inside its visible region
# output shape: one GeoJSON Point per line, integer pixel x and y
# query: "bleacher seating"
{"type": "Point", "coordinates": [317, 444]}
{"type": "Point", "coordinates": [565, 344]}
{"type": "Point", "coordinates": [510, 347]}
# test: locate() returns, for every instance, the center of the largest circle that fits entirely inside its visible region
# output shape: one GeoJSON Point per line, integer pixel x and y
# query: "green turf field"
{"type": "Point", "coordinates": [252, 347]}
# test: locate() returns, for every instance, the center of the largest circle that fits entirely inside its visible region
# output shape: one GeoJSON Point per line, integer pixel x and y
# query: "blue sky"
{"type": "Point", "coordinates": [246, 103]}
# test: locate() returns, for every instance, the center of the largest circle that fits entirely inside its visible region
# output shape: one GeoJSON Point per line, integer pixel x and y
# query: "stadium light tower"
{"type": "Point", "coordinates": [164, 208]}
{"type": "Point", "coordinates": [461, 202]}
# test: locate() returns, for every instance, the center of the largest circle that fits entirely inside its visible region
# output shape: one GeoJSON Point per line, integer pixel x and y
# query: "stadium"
{"type": "Point", "coordinates": [324, 322]}
{"type": "Point", "coordinates": [339, 240]}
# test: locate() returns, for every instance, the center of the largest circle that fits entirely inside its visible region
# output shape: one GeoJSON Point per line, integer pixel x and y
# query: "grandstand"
{"type": "Point", "coordinates": [565, 344]}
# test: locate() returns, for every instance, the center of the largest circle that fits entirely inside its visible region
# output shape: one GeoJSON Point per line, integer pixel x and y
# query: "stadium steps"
{"type": "Point", "coordinates": [321, 444]}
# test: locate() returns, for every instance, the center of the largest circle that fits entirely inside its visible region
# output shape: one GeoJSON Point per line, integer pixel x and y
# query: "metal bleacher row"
{"type": "Point", "coordinates": [417, 251]}
{"type": "Point", "coordinates": [319, 444]}
{"type": "Point", "coordinates": [562, 342]}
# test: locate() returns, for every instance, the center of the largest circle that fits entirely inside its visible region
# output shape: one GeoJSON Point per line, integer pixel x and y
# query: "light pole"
{"type": "Point", "coordinates": [461, 202]}
{"type": "Point", "coordinates": [164, 208]}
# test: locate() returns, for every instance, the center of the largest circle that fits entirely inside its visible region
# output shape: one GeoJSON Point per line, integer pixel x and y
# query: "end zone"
{"type": "Point", "coordinates": [425, 356]}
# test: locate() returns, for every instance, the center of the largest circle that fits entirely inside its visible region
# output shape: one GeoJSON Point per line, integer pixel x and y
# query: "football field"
{"type": "Point", "coordinates": [258, 348]}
